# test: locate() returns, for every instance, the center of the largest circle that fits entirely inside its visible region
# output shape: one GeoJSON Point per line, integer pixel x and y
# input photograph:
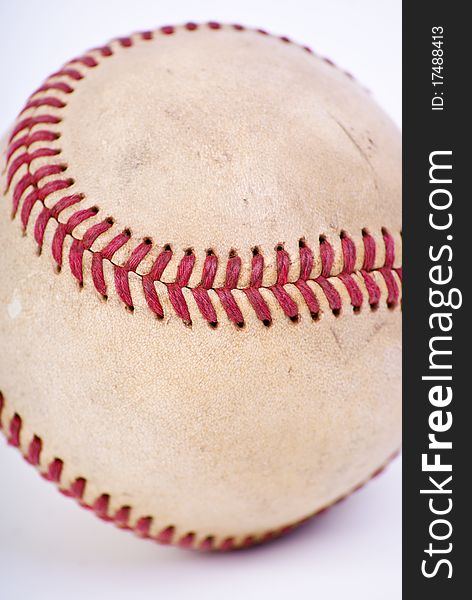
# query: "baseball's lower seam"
{"type": "Point", "coordinates": [141, 526]}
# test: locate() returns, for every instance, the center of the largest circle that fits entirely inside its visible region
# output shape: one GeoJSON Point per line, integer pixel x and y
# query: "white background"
{"type": "Point", "coordinates": [52, 549]}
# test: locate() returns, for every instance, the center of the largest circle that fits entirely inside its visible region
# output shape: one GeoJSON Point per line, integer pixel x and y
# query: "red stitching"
{"type": "Point", "coordinates": [142, 526]}
{"type": "Point", "coordinates": [58, 82]}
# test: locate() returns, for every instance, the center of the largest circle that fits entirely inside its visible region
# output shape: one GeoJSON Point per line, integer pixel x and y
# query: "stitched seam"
{"type": "Point", "coordinates": [29, 190]}
{"type": "Point", "coordinates": [123, 517]}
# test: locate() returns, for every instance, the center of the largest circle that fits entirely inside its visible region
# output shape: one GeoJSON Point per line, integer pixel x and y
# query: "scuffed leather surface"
{"type": "Point", "coordinates": [215, 140]}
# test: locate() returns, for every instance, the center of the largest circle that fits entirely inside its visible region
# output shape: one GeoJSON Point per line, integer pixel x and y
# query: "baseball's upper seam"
{"type": "Point", "coordinates": [36, 185]}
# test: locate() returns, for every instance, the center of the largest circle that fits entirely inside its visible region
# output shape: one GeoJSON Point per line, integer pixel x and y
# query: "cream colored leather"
{"type": "Point", "coordinates": [222, 140]}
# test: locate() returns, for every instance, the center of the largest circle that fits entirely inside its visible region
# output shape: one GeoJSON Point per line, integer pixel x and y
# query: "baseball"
{"type": "Point", "coordinates": [201, 284]}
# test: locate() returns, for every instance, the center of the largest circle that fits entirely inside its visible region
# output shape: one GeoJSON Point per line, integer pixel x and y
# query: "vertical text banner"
{"type": "Point", "coordinates": [437, 236]}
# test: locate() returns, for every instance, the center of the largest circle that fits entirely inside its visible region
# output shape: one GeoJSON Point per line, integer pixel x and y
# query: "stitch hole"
{"type": "Point", "coordinates": [356, 310]}
{"type": "Point", "coordinates": [129, 308]}
{"type": "Point", "coordinates": [213, 324]}
{"type": "Point", "coordinates": [189, 252]}
{"type": "Point", "coordinates": [343, 234]}
{"type": "Point", "coordinates": [374, 306]}
{"type": "Point", "coordinates": [167, 248]}
{"type": "Point", "coordinates": [94, 209]}
{"type": "Point", "coordinates": [391, 305]}
{"type": "Point", "coordinates": [255, 251]}
{"type": "Point", "coordinates": [322, 238]}
{"type": "Point", "coordinates": [240, 324]}
{"type": "Point", "coordinates": [109, 221]}
{"type": "Point", "coordinates": [104, 297]}
{"type": "Point", "coordinates": [384, 231]}
{"type": "Point", "coordinates": [302, 243]}
{"type": "Point", "coordinates": [232, 253]}
{"type": "Point", "coordinates": [365, 232]}
{"type": "Point", "coordinates": [57, 269]}
{"type": "Point", "coordinates": [147, 241]}
{"type": "Point", "coordinates": [210, 252]}
{"type": "Point", "coordinates": [336, 312]}
{"type": "Point", "coordinates": [127, 232]}
{"type": "Point", "coordinates": [267, 322]}
{"type": "Point", "coordinates": [315, 316]}
{"type": "Point", "coordinates": [188, 323]}
{"type": "Point", "coordinates": [279, 248]}
{"type": "Point", "coordinates": [295, 318]}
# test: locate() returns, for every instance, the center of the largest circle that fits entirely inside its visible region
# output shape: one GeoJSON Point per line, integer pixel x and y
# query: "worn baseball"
{"type": "Point", "coordinates": [201, 284]}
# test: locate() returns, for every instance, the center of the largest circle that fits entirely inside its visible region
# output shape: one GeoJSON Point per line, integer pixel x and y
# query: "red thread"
{"type": "Point", "coordinates": [78, 248]}
{"type": "Point", "coordinates": [392, 287]}
{"type": "Point", "coordinates": [41, 194]}
{"type": "Point", "coordinates": [15, 429]}
{"type": "Point", "coordinates": [100, 506]}
{"type": "Point", "coordinates": [369, 251]}
{"type": "Point", "coordinates": [372, 289]}
{"type": "Point", "coordinates": [30, 122]}
{"type": "Point", "coordinates": [165, 536]}
{"type": "Point", "coordinates": [306, 262]}
{"type": "Point", "coordinates": [331, 293]}
{"type": "Point", "coordinates": [389, 249]}
{"type": "Point", "coordinates": [327, 257]}
{"type": "Point", "coordinates": [59, 86]}
{"type": "Point", "coordinates": [44, 101]}
{"type": "Point", "coordinates": [209, 271]}
{"type": "Point", "coordinates": [26, 159]}
{"type": "Point", "coordinates": [107, 253]}
{"type": "Point", "coordinates": [204, 304]}
{"type": "Point", "coordinates": [287, 304]}
{"type": "Point", "coordinates": [258, 304]}
{"type": "Point", "coordinates": [353, 289]}
{"type": "Point", "coordinates": [233, 268]}
{"type": "Point", "coordinates": [66, 228]}
{"type": "Point", "coordinates": [34, 451]}
{"type": "Point", "coordinates": [69, 73]}
{"type": "Point", "coordinates": [121, 518]}
{"type": "Point", "coordinates": [52, 213]}
{"type": "Point", "coordinates": [121, 273]}
{"type": "Point", "coordinates": [178, 302]}
{"type": "Point", "coordinates": [186, 541]}
{"type": "Point", "coordinates": [257, 270]}
{"type": "Point", "coordinates": [54, 471]}
{"type": "Point", "coordinates": [28, 140]}
{"type": "Point", "coordinates": [125, 42]}
{"type": "Point", "coordinates": [349, 254]}
{"type": "Point", "coordinates": [86, 61]}
{"type": "Point", "coordinates": [230, 306]}
{"type": "Point", "coordinates": [143, 526]}
{"type": "Point", "coordinates": [283, 265]}
{"type": "Point", "coordinates": [309, 297]}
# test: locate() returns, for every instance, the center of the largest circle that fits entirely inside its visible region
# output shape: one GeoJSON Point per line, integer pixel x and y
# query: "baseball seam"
{"type": "Point", "coordinates": [40, 186]}
{"type": "Point", "coordinates": [143, 526]}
